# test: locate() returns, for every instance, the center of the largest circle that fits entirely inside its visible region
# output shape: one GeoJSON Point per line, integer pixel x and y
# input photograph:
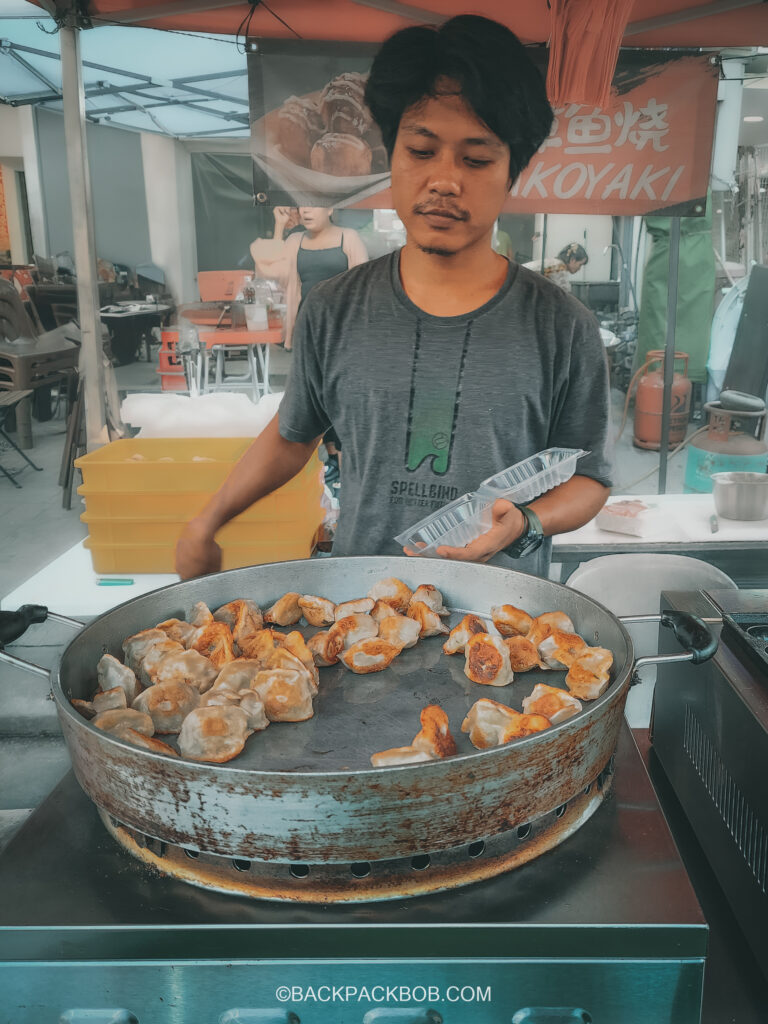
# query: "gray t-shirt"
{"type": "Point", "coordinates": [426, 407]}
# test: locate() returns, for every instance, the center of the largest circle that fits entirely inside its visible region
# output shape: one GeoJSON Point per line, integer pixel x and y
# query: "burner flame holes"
{"type": "Point", "coordinates": [299, 870]}
{"type": "Point", "coordinates": [476, 849]}
{"type": "Point", "coordinates": [361, 870]}
{"type": "Point", "coordinates": [523, 832]}
{"type": "Point", "coordinates": [421, 862]}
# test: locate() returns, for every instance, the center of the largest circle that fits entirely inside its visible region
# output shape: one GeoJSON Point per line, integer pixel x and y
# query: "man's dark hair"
{"type": "Point", "coordinates": [573, 251]}
{"type": "Point", "coordinates": [496, 77]}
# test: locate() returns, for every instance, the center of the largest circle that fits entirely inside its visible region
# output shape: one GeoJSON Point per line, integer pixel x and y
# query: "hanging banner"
{"type": "Point", "coordinates": [314, 143]}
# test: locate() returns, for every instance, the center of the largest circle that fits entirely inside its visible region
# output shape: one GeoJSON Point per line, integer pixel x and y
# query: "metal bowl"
{"type": "Point", "coordinates": [741, 495]}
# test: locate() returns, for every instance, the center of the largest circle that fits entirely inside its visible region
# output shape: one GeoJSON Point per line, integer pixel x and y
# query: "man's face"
{"type": "Point", "coordinates": [450, 175]}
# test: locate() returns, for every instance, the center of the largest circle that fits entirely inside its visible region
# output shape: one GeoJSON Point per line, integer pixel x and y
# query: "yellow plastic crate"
{"type": "Point", "coordinates": [189, 464]}
{"type": "Point", "coordinates": [180, 506]}
{"type": "Point", "coordinates": [237, 533]}
{"type": "Point", "coordinates": [159, 558]}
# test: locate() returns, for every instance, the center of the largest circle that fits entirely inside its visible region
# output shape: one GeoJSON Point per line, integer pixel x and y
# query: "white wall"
{"type": "Point", "coordinates": [10, 131]}
{"type": "Point", "coordinates": [593, 232]}
{"type": "Point", "coordinates": [170, 212]}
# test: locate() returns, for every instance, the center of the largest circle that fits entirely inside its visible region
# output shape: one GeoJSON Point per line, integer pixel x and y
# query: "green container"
{"type": "Point", "coordinates": [702, 464]}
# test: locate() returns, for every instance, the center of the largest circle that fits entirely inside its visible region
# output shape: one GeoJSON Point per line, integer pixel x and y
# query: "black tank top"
{"type": "Point", "coordinates": [316, 265]}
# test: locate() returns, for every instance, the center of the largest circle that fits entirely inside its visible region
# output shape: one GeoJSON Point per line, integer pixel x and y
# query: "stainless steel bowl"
{"type": "Point", "coordinates": [741, 495]}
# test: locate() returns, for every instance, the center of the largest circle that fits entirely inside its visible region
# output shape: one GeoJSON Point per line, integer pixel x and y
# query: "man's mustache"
{"type": "Point", "coordinates": [442, 209]}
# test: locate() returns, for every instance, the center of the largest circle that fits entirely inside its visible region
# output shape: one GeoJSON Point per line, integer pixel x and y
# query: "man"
{"type": "Point", "coordinates": [558, 268]}
{"type": "Point", "coordinates": [442, 363]}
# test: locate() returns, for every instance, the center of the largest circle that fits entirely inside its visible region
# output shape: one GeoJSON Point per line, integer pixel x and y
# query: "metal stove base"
{"type": "Point", "coordinates": [604, 928]}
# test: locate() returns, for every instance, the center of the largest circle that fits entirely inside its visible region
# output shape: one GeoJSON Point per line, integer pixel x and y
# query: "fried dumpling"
{"type": "Point", "coordinates": [238, 674]}
{"type": "Point", "coordinates": [215, 734]}
{"type": "Point", "coordinates": [431, 597]}
{"type": "Point", "coordinates": [544, 625]}
{"type": "Point", "coordinates": [167, 704]}
{"type": "Point", "coordinates": [487, 660]}
{"type": "Point", "coordinates": [559, 649]}
{"type": "Point", "coordinates": [296, 644]}
{"type": "Point", "coordinates": [119, 720]}
{"type": "Point", "coordinates": [178, 630]}
{"type": "Point", "coordinates": [199, 615]}
{"type": "Point", "coordinates": [399, 630]}
{"type": "Point", "coordinates": [430, 623]}
{"type": "Point", "coordinates": [382, 610]}
{"type": "Point", "coordinates": [111, 673]}
{"type": "Point", "coordinates": [511, 621]}
{"type": "Point", "coordinates": [260, 645]}
{"type": "Point", "coordinates": [589, 673]}
{"type": "Point", "coordinates": [136, 647]}
{"type": "Point", "coordinates": [109, 700]}
{"type": "Point", "coordinates": [243, 618]}
{"type": "Point", "coordinates": [491, 724]}
{"type": "Point", "coordinates": [156, 653]}
{"type": "Point", "coordinates": [318, 611]}
{"type": "Point", "coordinates": [186, 667]}
{"type": "Point", "coordinates": [286, 694]}
{"type": "Point", "coordinates": [85, 707]}
{"type": "Point", "coordinates": [392, 591]}
{"type": "Point", "coordinates": [253, 706]}
{"type": "Point", "coordinates": [155, 746]}
{"type": "Point", "coordinates": [220, 696]}
{"type": "Point", "coordinates": [459, 635]}
{"type": "Point", "coordinates": [281, 657]}
{"type": "Point", "coordinates": [360, 606]}
{"type": "Point", "coordinates": [370, 655]}
{"type": "Point", "coordinates": [553, 703]}
{"type": "Point", "coordinates": [435, 736]}
{"type": "Point", "coordinates": [286, 611]}
{"type": "Point", "coordinates": [215, 642]}
{"type": "Point", "coordinates": [399, 755]}
{"type": "Point", "coordinates": [348, 630]}
{"type": "Point", "coordinates": [318, 645]}
{"type": "Point", "coordinates": [523, 655]}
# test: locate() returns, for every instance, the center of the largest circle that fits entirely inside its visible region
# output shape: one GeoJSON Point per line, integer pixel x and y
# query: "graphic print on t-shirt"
{"type": "Point", "coordinates": [439, 355]}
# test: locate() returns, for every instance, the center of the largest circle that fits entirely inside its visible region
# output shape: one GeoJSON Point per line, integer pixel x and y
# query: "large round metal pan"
{"type": "Point", "coordinates": [306, 792]}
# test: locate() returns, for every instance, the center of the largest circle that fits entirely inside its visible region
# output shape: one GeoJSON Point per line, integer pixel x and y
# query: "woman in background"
{"type": "Point", "coordinates": [559, 268]}
{"type": "Point", "coordinates": [299, 261]}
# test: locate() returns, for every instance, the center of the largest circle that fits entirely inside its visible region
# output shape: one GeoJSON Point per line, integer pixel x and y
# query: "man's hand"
{"type": "Point", "coordinates": [508, 524]}
{"type": "Point", "coordinates": [197, 553]}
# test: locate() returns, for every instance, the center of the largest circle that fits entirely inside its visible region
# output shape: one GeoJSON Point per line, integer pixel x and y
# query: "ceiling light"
{"type": "Point", "coordinates": [754, 118]}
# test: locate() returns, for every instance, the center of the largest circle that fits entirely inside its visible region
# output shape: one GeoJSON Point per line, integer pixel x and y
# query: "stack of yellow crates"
{"type": "Point", "coordinates": [139, 493]}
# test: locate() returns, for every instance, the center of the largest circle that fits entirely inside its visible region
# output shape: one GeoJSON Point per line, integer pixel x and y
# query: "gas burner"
{"type": "Point", "coordinates": [747, 634]}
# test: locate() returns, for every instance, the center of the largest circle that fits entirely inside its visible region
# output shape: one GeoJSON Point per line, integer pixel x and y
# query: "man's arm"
{"type": "Point", "coordinates": [560, 510]}
{"type": "Point", "coordinates": [270, 462]}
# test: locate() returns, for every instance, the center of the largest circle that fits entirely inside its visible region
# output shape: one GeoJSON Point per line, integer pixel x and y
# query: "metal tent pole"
{"type": "Point", "coordinates": [91, 366]}
{"type": "Point", "coordinates": [669, 350]}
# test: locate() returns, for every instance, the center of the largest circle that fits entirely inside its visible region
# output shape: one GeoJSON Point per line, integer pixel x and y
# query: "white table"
{"type": "Point", "coordinates": [681, 525]}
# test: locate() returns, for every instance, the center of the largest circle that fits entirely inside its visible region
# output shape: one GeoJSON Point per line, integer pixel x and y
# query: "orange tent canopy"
{"type": "Point", "coordinates": [652, 23]}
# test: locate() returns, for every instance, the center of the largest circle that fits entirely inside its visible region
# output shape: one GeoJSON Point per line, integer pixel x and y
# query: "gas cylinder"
{"type": "Point", "coordinates": [649, 402]}
{"type": "Point", "coordinates": [733, 443]}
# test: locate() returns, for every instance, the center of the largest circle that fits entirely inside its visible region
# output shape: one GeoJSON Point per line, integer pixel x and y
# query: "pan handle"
{"type": "Point", "coordinates": [691, 631]}
{"type": "Point", "coordinates": [15, 624]}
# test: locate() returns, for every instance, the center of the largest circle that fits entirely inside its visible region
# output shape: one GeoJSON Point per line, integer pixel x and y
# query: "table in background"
{"type": "Point", "coordinates": [216, 344]}
{"type": "Point", "coordinates": [128, 323]}
{"type": "Point", "coordinates": [681, 527]}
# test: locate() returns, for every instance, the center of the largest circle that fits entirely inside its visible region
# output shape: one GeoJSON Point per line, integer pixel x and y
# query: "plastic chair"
{"type": "Point", "coordinates": [632, 585]}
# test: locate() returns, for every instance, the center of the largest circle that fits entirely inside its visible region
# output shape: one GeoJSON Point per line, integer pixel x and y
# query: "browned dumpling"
{"type": "Point", "coordinates": [487, 660]}
{"type": "Point", "coordinates": [318, 645]}
{"type": "Point", "coordinates": [400, 631]}
{"type": "Point", "coordinates": [154, 656]}
{"type": "Point", "coordinates": [186, 667]}
{"type": "Point", "coordinates": [399, 755]}
{"type": "Point", "coordinates": [459, 635]}
{"type": "Point", "coordinates": [435, 737]}
{"type": "Point", "coordinates": [370, 655]}
{"type": "Point", "coordinates": [283, 658]}
{"type": "Point", "coordinates": [220, 696]}
{"type": "Point", "coordinates": [286, 694]}
{"type": "Point", "coordinates": [109, 700]}
{"type": "Point", "coordinates": [511, 621]}
{"type": "Point", "coordinates": [150, 743]}
{"type": "Point", "coordinates": [431, 597]}
{"type": "Point", "coordinates": [430, 623]}
{"type": "Point", "coordinates": [348, 630]}
{"type": "Point", "coordinates": [119, 720]}
{"type": "Point", "coordinates": [545, 625]}
{"type": "Point", "coordinates": [200, 615]}
{"type": "Point", "coordinates": [111, 673]}
{"type": "Point", "coordinates": [393, 592]}
{"type": "Point", "coordinates": [238, 674]}
{"type": "Point", "coordinates": [215, 642]}
{"type": "Point", "coordinates": [559, 649]}
{"type": "Point", "coordinates": [296, 644]}
{"type": "Point", "coordinates": [85, 707]}
{"type": "Point", "coordinates": [523, 655]}
{"type": "Point", "coordinates": [553, 703]}
{"type": "Point", "coordinates": [360, 606]}
{"type": "Point", "coordinates": [260, 645]}
{"type": "Point", "coordinates": [285, 611]}
{"type": "Point", "coordinates": [318, 611]}
{"type": "Point", "coordinates": [491, 724]}
{"type": "Point", "coordinates": [243, 618]}
{"type": "Point", "coordinates": [215, 734]}
{"type": "Point", "coordinates": [253, 706]}
{"type": "Point", "coordinates": [176, 629]}
{"type": "Point", "coordinates": [589, 673]}
{"type": "Point", "coordinates": [137, 647]}
{"type": "Point", "coordinates": [382, 610]}
{"type": "Point", "coordinates": [167, 704]}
